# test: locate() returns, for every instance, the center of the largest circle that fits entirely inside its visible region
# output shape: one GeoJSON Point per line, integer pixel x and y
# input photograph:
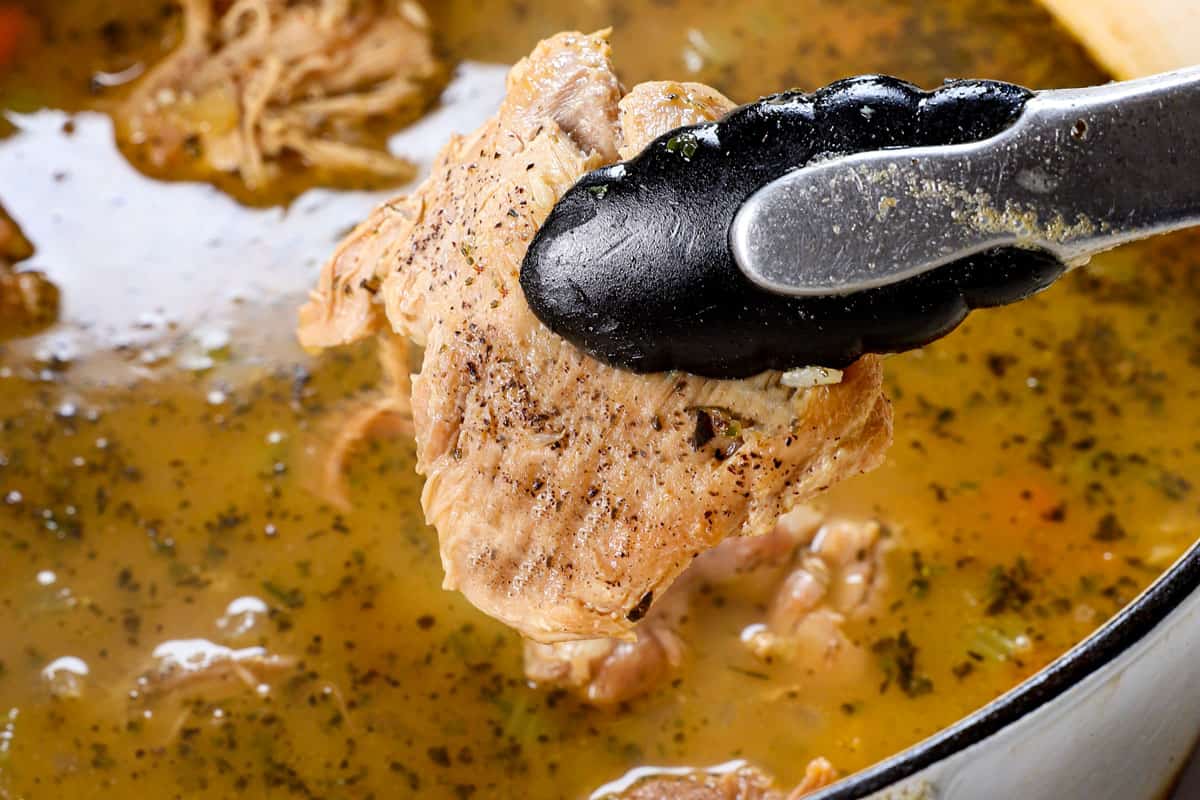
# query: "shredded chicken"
{"type": "Point", "coordinates": [834, 578]}
{"type": "Point", "coordinates": [745, 783]}
{"type": "Point", "coordinates": [387, 412]}
{"type": "Point", "coordinates": [255, 81]}
{"type": "Point", "coordinates": [198, 662]}
{"type": "Point", "coordinates": [817, 775]}
{"type": "Point", "coordinates": [817, 573]}
{"type": "Point", "coordinates": [28, 300]}
{"type": "Point", "coordinates": [610, 671]}
{"type": "Point", "coordinates": [183, 670]}
{"type": "Point", "coordinates": [742, 783]}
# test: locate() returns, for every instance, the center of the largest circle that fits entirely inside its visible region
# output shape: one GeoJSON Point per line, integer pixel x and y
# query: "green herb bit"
{"type": "Point", "coordinates": [919, 585]}
{"type": "Point", "coordinates": [290, 597]}
{"type": "Point", "coordinates": [1109, 529]}
{"type": "Point", "coordinates": [1011, 588]}
{"type": "Point", "coordinates": [685, 144]}
{"type": "Point", "coordinates": [898, 658]}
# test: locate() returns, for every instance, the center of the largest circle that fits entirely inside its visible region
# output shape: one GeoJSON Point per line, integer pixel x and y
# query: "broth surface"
{"type": "Point", "coordinates": [157, 451]}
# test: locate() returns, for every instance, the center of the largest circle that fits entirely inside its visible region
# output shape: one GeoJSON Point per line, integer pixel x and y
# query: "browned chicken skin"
{"type": "Point", "coordinates": [255, 81]}
{"type": "Point", "coordinates": [569, 495]}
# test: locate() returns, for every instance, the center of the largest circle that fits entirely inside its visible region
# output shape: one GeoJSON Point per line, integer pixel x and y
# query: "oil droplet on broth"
{"type": "Point", "coordinates": [242, 616]}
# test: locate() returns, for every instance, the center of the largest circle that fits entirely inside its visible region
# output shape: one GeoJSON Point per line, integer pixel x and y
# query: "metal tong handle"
{"type": "Point", "coordinates": [1080, 171]}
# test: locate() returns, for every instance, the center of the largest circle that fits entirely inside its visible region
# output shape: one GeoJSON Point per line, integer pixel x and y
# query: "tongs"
{"type": "Point", "coordinates": [867, 217]}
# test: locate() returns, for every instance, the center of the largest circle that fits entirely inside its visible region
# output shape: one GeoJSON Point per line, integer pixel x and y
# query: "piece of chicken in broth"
{"type": "Point", "coordinates": [736, 781]}
{"type": "Point", "coordinates": [28, 300]}
{"type": "Point", "coordinates": [812, 574]}
{"type": "Point", "coordinates": [256, 82]}
{"type": "Point", "coordinates": [567, 495]}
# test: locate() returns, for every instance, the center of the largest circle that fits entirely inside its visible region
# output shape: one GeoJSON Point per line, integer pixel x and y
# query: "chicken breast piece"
{"type": "Point", "coordinates": [568, 495]}
{"type": "Point", "coordinates": [256, 81]}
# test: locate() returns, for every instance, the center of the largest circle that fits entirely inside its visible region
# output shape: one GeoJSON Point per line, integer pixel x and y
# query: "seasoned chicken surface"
{"type": "Point", "coordinates": [569, 495]}
{"type": "Point", "coordinates": [256, 81]}
{"type": "Point", "coordinates": [28, 300]}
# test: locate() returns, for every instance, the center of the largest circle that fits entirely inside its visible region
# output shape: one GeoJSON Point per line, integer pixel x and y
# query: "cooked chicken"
{"type": "Point", "coordinates": [28, 301]}
{"type": "Point", "coordinates": [255, 81]}
{"type": "Point", "coordinates": [569, 495]}
{"type": "Point", "coordinates": [384, 413]}
{"type": "Point", "coordinates": [14, 246]}
{"type": "Point", "coordinates": [817, 775]}
{"type": "Point", "coordinates": [814, 576]}
{"type": "Point", "coordinates": [610, 671]}
{"type": "Point", "coordinates": [744, 783]}
{"type": "Point", "coordinates": [758, 562]}
{"type": "Point", "coordinates": [835, 577]}
{"type": "Point", "coordinates": [199, 662]}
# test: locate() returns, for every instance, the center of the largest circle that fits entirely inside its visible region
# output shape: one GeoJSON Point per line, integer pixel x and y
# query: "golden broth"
{"type": "Point", "coordinates": [156, 452]}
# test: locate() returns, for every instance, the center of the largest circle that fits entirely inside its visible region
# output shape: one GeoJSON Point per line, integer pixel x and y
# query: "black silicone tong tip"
{"type": "Point", "coordinates": [634, 266]}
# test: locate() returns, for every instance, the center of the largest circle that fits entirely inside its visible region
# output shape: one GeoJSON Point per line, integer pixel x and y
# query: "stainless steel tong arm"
{"type": "Point", "coordinates": [1079, 171]}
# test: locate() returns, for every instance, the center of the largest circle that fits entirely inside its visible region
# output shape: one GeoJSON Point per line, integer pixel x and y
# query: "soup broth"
{"type": "Point", "coordinates": [183, 615]}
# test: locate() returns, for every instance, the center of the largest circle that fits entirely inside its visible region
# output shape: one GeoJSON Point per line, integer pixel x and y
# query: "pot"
{"type": "Point", "coordinates": [1114, 718]}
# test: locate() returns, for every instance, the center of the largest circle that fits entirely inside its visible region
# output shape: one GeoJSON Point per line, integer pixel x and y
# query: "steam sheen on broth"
{"type": "Point", "coordinates": [183, 616]}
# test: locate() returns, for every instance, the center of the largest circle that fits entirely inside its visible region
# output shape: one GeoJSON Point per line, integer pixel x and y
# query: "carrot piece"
{"type": "Point", "coordinates": [15, 27]}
